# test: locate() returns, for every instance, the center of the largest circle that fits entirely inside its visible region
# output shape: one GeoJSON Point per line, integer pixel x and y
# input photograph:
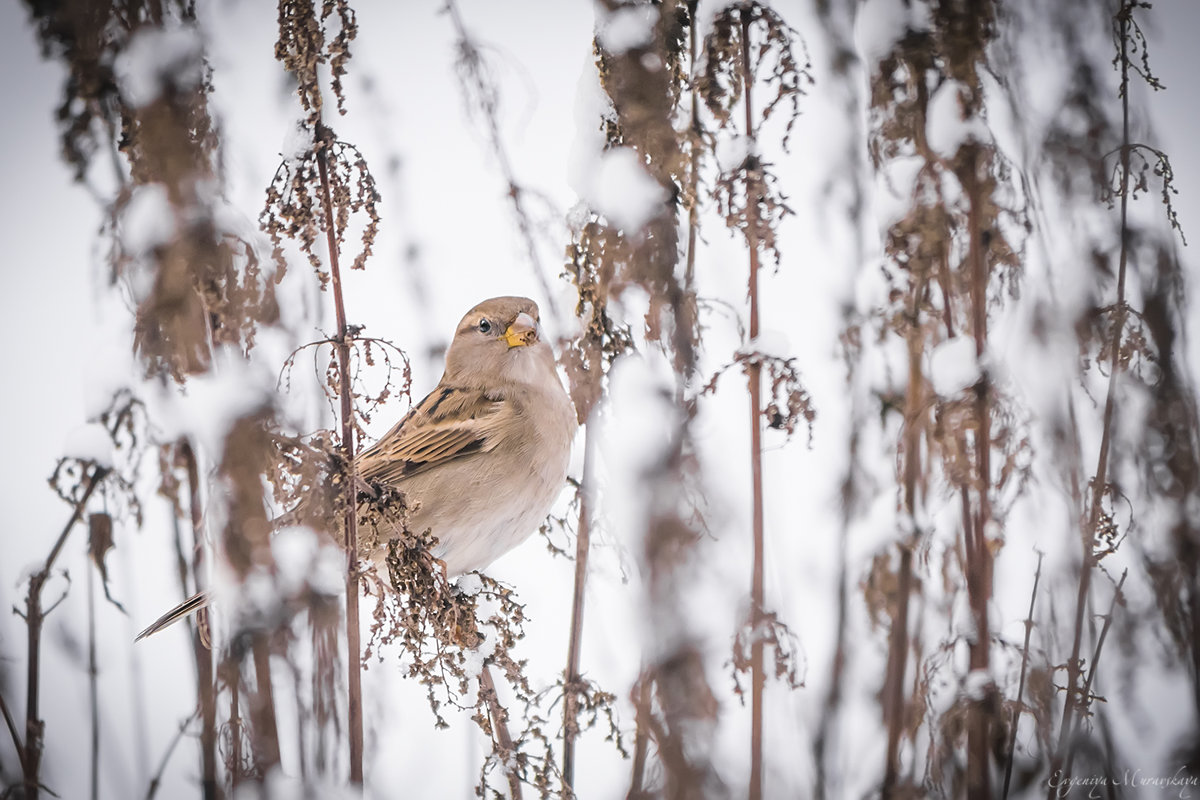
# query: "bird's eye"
{"type": "Point", "coordinates": [484, 326]}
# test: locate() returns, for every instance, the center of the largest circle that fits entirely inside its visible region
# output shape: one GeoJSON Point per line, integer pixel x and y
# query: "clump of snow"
{"type": "Point", "coordinates": [258, 598]}
{"type": "Point", "coordinates": [592, 107]}
{"type": "Point", "coordinates": [148, 219]}
{"type": "Point", "coordinates": [896, 182]}
{"type": "Point", "coordinates": [635, 435]}
{"type": "Point", "coordinates": [770, 343]}
{"type": "Point", "coordinates": [731, 153]}
{"type": "Point", "coordinates": [953, 366]}
{"type": "Point", "coordinates": [328, 573]}
{"type": "Point", "coordinates": [975, 685]}
{"type": "Point", "coordinates": [156, 58]}
{"type": "Point", "coordinates": [293, 549]}
{"type": "Point", "coordinates": [626, 28]}
{"type": "Point", "coordinates": [298, 142]}
{"type": "Point", "coordinates": [90, 442]}
{"type": "Point", "coordinates": [212, 402]}
{"type": "Point", "coordinates": [470, 584]}
{"type": "Point", "coordinates": [614, 182]}
{"type": "Point", "coordinates": [945, 128]}
{"type": "Point", "coordinates": [880, 24]}
{"type": "Point", "coordinates": [623, 191]}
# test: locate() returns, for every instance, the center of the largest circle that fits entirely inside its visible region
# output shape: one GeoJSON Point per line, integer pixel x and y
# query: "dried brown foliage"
{"type": "Point", "coordinates": [293, 207]}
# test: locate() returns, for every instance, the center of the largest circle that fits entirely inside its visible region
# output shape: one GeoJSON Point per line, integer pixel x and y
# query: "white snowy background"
{"type": "Point", "coordinates": [448, 240]}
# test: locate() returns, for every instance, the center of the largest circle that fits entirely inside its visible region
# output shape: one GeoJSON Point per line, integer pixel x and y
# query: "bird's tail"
{"type": "Point", "coordinates": [192, 604]}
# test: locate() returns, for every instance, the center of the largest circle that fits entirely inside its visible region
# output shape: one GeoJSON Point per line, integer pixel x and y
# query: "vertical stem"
{"type": "Point", "coordinates": [641, 743]}
{"type": "Point", "coordinates": [34, 617]}
{"type": "Point", "coordinates": [34, 727]}
{"type": "Point", "coordinates": [262, 707]}
{"type": "Point", "coordinates": [233, 680]}
{"type": "Point", "coordinates": [353, 649]}
{"type": "Point", "coordinates": [11, 724]}
{"type": "Point", "coordinates": [979, 570]}
{"type": "Point", "coordinates": [93, 695]}
{"type": "Point", "coordinates": [898, 642]}
{"type": "Point", "coordinates": [897, 665]}
{"type": "Point", "coordinates": [205, 685]}
{"type": "Point", "coordinates": [1100, 478]}
{"type": "Point", "coordinates": [754, 377]}
{"type": "Point", "coordinates": [1016, 714]}
{"type": "Point", "coordinates": [1095, 663]}
{"type": "Point", "coordinates": [572, 677]}
{"type": "Point", "coordinates": [500, 729]}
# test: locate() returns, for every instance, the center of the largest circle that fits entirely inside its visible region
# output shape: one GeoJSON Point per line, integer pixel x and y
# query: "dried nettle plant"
{"type": "Point", "coordinates": [447, 636]}
{"type": "Point", "coordinates": [980, 693]}
{"type": "Point", "coordinates": [751, 46]}
{"type": "Point", "coordinates": [197, 289]}
{"type": "Point", "coordinates": [951, 261]}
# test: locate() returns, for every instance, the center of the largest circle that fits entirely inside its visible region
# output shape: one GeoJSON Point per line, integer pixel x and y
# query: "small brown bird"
{"type": "Point", "coordinates": [482, 458]}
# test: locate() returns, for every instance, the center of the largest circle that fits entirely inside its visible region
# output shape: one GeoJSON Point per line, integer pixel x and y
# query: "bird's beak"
{"type": "Point", "coordinates": [522, 332]}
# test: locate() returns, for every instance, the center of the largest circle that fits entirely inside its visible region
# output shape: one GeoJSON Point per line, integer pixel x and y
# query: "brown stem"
{"type": "Point", "coordinates": [1016, 714]}
{"type": "Point", "coordinates": [353, 648]}
{"type": "Point", "coordinates": [898, 640]}
{"type": "Point", "coordinates": [34, 617]}
{"type": "Point", "coordinates": [205, 685]}
{"type": "Point", "coordinates": [93, 689]}
{"type": "Point", "coordinates": [156, 781]}
{"type": "Point", "coordinates": [572, 677]}
{"type": "Point", "coordinates": [896, 667]}
{"type": "Point", "coordinates": [500, 730]}
{"type": "Point", "coordinates": [11, 724]}
{"type": "Point", "coordinates": [1086, 694]}
{"type": "Point", "coordinates": [641, 742]}
{"type": "Point", "coordinates": [1100, 479]}
{"type": "Point", "coordinates": [262, 707]}
{"type": "Point", "coordinates": [754, 378]}
{"type": "Point", "coordinates": [684, 305]}
{"type": "Point", "coordinates": [837, 668]}
{"type": "Point", "coordinates": [979, 568]}
{"type": "Point", "coordinates": [233, 679]}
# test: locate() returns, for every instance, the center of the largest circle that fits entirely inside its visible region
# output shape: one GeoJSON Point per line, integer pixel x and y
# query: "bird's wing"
{"type": "Point", "coordinates": [450, 423]}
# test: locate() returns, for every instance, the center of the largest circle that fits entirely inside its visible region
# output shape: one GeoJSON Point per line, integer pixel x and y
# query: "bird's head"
{"type": "Point", "coordinates": [499, 341]}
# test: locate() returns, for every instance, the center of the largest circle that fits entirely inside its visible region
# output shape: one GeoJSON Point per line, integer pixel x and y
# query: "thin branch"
{"type": "Point", "coordinates": [979, 569]}
{"type": "Point", "coordinates": [325, 140]}
{"type": "Point", "coordinates": [1016, 715]}
{"type": "Point", "coordinates": [156, 781]}
{"type": "Point", "coordinates": [12, 730]}
{"type": "Point", "coordinates": [572, 678]}
{"type": "Point", "coordinates": [1086, 694]}
{"type": "Point", "coordinates": [232, 679]}
{"type": "Point", "coordinates": [34, 616]}
{"type": "Point", "coordinates": [500, 730]}
{"type": "Point", "coordinates": [93, 689]}
{"type": "Point", "coordinates": [754, 378]}
{"type": "Point", "coordinates": [1100, 477]}
{"type": "Point", "coordinates": [205, 684]}
{"type": "Point", "coordinates": [471, 62]}
{"type": "Point", "coordinates": [898, 639]}
{"type": "Point", "coordinates": [641, 743]}
{"type": "Point", "coordinates": [262, 706]}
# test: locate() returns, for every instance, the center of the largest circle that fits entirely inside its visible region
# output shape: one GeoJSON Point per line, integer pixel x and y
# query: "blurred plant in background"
{"type": "Point", "coordinates": [1020, 505]}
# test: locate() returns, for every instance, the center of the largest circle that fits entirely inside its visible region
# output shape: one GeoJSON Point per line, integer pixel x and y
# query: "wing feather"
{"type": "Point", "coordinates": [451, 422]}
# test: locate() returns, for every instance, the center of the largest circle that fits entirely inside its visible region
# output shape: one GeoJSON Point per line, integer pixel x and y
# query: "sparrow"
{"type": "Point", "coordinates": [480, 461]}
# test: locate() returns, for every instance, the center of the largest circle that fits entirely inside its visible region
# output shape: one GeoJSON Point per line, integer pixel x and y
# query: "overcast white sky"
{"type": "Point", "coordinates": [444, 202]}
